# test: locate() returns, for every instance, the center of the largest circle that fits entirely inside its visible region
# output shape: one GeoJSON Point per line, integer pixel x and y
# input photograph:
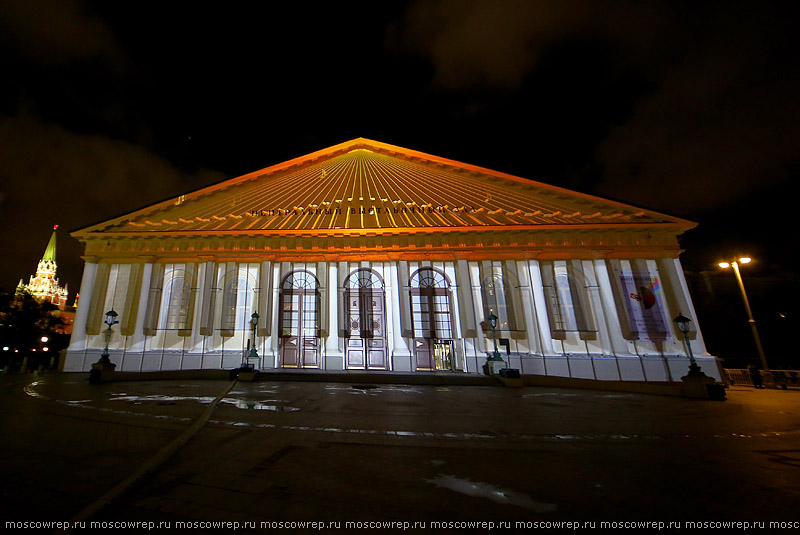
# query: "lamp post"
{"type": "Point", "coordinates": [735, 265]}
{"type": "Point", "coordinates": [697, 384]}
{"type": "Point", "coordinates": [493, 322]}
{"type": "Point", "coordinates": [253, 353]}
{"type": "Point", "coordinates": [111, 319]}
{"type": "Point", "coordinates": [683, 326]}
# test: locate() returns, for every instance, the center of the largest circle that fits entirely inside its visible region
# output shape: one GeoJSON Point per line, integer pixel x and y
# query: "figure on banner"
{"type": "Point", "coordinates": [646, 296]}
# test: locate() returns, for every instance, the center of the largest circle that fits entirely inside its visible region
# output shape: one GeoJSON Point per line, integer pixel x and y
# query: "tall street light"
{"type": "Point", "coordinates": [735, 265]}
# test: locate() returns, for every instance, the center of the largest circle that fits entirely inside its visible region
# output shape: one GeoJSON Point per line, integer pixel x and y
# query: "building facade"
{"type": "Point", "coordinates": [368, 256]}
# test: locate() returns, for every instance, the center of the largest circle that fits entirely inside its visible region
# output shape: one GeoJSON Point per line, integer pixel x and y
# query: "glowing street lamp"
{"type": "Point", "coordinates": [735, 265]}
{"type": "Point", "coordinates": [253, 353]}
{"type": "Point", "coordinates": [683, 326]}
{"type": "Point", "coordinates": [493, 322]}
{"type": "Point", "coordinates": [111, 319]}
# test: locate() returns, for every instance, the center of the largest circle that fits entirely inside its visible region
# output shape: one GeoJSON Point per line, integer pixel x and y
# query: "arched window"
{"type": "Point", "coordinates": [563, 302]}
{"type": "Point", "coordinates": [566, 298]}
{"type": "Point", "coordinates": [432, 319]}
{"type": "Point", "coordinates": [176, 295]}
{"type": "Point", "coordinates": [359, 289]}
{"type": "Point", "coordinates": [238, 288]}
{"type": "Point", "coordinates": [430, 304]}
{"type": "Point", "coordinates": [496, 292]}
{"type": "Point", "coordinates": [364, 278]}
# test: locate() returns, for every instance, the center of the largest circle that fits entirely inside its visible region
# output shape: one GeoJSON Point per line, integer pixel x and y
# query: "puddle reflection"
{"type": "Point", "coordinates": [257, 405]}
{"type": "Point", "coordinates": [491, 492]}
{"type": "Point", "coordinates": [138, 400]}
{"type": "Point", "coordinates": [372, 389]}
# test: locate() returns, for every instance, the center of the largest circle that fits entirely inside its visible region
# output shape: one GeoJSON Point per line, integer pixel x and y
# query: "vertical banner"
{"type": "Point", "coordinates": [516, 315]}
{"type": "Point", "coordinates": [405, 304]}
{"type": "Point", "coordinates": [131, 309]}
{"type": "Point", "coordinates": [230, 286]}
{"type": "Point", "coordinates": [554, 316]}
{"type": "Point", "coordinates": [209, 298]}
{"type": "Point", "coordinates": [580, 300]}
{"type": "Point", "coordinates": [188, 297]}
{"type": "Point", "coordinates": [96, 312]}
{"type": "Point", "coordinates": [323, 309]}
{"type": "Point", "coordinates": [343, 300]}
{"type": "Point", "coordinates": [644, 300]}
{"type": "Point", "coordinates": [154, 300]}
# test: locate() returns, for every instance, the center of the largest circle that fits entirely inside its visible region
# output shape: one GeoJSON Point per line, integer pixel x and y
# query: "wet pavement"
{"type": "Point", "coordinates": [338, 452]}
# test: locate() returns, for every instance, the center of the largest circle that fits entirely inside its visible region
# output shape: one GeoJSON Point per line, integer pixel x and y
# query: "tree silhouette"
{"type": "Point", "coordinates": [23, 322]}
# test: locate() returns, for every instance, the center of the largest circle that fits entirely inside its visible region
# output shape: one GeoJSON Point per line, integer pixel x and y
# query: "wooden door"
{"type": "Point", "coordinates": [299, 321]}
{"type": "Point", "coordinates": [366, 320]}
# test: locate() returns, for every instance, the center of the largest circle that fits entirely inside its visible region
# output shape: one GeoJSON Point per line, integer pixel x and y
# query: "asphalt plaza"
{"type": "Point", "coordinates": [293, 452]}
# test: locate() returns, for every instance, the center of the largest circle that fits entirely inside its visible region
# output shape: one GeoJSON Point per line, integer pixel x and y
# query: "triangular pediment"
{"type": "Point", "coordinates": [364, 185]}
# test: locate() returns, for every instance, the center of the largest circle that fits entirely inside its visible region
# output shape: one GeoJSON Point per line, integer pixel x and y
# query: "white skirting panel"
{"type": "Point", "coordinates": [601, 368]}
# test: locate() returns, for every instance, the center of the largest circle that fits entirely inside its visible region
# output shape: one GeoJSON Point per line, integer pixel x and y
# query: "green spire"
{"type": "Point", "coordinates": [50, 252]}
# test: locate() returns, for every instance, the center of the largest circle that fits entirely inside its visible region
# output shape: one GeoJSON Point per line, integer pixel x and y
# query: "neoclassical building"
{"type": "Point", "coordinates": [368, 256]}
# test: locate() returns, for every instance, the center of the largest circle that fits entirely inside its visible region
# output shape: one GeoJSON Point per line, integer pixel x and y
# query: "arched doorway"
{"type": "Point", "coordinates": [366, 320]}
{"type": "Point", "coordinates": [432, 319]}
{"type": "Point", "coordinates": [299, 321]}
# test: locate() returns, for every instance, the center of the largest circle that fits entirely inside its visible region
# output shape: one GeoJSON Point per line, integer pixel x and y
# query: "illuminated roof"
{"type": "Point", "coordinates": [50, 252]}
{"type": "Point", "coordinates": [367, 186]}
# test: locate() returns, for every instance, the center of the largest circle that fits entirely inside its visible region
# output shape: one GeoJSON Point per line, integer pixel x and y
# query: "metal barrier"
{"type": "Point", "coordinates": [782, 379]}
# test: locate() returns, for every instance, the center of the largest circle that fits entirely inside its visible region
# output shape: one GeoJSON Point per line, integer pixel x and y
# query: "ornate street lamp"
{"type": "Point", "coordinates": [111, 319]}
{"type": "Point", "coordinates": [253, 353]}
{"type": "Point", "coordinates": [735, 265]}
{"type": "Point", "coordinates": [683, 326]}
{"type": "Point", "coordinates": [493, 322]}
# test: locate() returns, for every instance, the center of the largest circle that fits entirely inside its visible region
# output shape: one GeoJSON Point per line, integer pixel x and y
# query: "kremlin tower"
{"type": "Point", "coordinates": [44, 285]}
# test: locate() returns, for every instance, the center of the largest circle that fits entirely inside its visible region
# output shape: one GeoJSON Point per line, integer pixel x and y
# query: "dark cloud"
{"type": "Point", "coordinates": [716, 121]}
{"type": "Point", "coordinates": [721, 124]}
{"type": "Point", "coordinates": [53, 176]}
{"type": "Point", "coordinates": [56, 31]}
{"type": "Point", "coordinates": [693, 146]}
{"type": "Point", "coordinates": [483, 43]}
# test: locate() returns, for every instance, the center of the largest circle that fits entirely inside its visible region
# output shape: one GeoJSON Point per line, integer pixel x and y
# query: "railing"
{"type": "Point", "coordinates": [782, 379]}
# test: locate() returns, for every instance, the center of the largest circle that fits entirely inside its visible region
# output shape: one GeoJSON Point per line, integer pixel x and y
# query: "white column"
{"type": "Point", "coordinates": [529, 303]}
{"type": "Point", "coordinates": [400, 354]}
{"type": "Point", "coordinates": [604, 368]}
{"type": "Point", "coordinates": [483, 344]}
{"type": "Point", "coordinates": [196, 339]}
{"type": "Point", "coordinates": [277, 274]}
{"type": "Point", "coordinates": [619, 346]}
{"type": "Point", "coordinates": [597, 307]}
{"type": "Point", "coordinates": [675, 272]}
{"type": "Point", "coordinates": [78, 338]}
{"type": "Point", "coordinates": [537, 288]}
{"type": "Point", "coordinates": [333, 347]}
{"type": "Point", "coordinates": [459, 348]}
{"type": "Point", "coordinates": [138, 338]}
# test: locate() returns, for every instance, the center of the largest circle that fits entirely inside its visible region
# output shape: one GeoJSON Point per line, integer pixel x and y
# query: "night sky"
{"type": "Point", "coordinates": [689, 108]}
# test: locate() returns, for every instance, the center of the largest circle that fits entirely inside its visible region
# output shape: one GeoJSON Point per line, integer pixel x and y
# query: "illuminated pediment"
{"type": "Point", "coordinates": [365, 185]}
